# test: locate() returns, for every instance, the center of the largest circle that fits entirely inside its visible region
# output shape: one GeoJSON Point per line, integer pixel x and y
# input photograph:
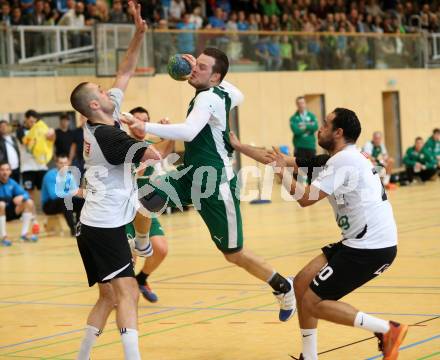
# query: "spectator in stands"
{"type": "Point", "coordinates": [186, 41]}
{"type": "Point", "coordinates": [51, 15]}
{"type": "Point", "coordinates": [378, 154]}
{"type": "Point", "coordinates": [196, 17]}
{"type": "Point", "coordinates": [286, 50]}
{"type": "Point", "coordinates": [177, 9]}
{"type": "Point", "coordinates": [166, 8]}
{"type": "Point", "coordinates": [16, 18]}
{"type": "Point", "coordinates": [117, 14]}
{"type": "Point", "coordinates": [76, 156]}
{"type": "Point", "coordinates": [14, 202]}
{"type": "Point", "coordinates": [63, 136]}
{"type": "Point", "coordinates": [75, 18]}
{"type": "Point", "coordinates": [270, 7]}
{"type": "Point", "coordinates": [262, 53]}
{"type": "Point", "coordinates": [432, 146]}
{"type": "Point", "coordinates": [242, 23]}
{"type": "Point", "coordinates": [9, 150]}
{"type": "Point", "coordinates": [59, 183]}
{"type": "Point", "coordinates": [164, 47]}
{"type": "Point", "coordinates": [303, 124]}
{"type": "Point", "coordinates": [37, 16]}
{"type": "Point", "coordinates": [373, 8]}
{"type": "Point", "coordinates": [419, 162]}
{"type": "Point", "coordinates": [5, 16]}
{"type": "Point", "coordinates": [217, 21]}
{"type": "Point", "coordinates": [273, 47]}
{"type": "Point", "coordinates": [232, 25]}
{"type": "Point", "coordinates": [93, 16]}
{"type": "Point", "coordinates": [37, 139]}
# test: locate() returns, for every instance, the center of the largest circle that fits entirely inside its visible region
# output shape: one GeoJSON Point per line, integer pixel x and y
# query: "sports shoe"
{"type": "Point", "coordinates": [6, 242]}
{"type": "Point", "coordinates": [147, 293]}
{"type": "Point", "coordinates": [391, 186]}
{"type": "Point", "coordinates": [32, 238]}
{"type": "Point", "coordinates": [389, 342]}
{"type": "Point", "coordinates": [287, 302]}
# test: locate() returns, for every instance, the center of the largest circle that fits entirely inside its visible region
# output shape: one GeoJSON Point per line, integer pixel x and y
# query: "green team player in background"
{"type": "Point", "coordinates": [156, 233]}
{"type": "Point", "coordinates": [419, 161]}
{"type": "Point", "coordinates": [304, 125]}
{"type": "Point", "coordinates": [432, 145]}
{"type": "Point", "coordinates": [206, 178]}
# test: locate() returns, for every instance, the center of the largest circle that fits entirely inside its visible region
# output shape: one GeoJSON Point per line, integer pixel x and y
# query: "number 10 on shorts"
{"type": "Point", "coordinates": [323, 274]}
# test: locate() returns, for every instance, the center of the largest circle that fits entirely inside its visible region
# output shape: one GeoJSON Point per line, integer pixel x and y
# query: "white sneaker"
{"type": "Point", "coordinates": [287, 302]}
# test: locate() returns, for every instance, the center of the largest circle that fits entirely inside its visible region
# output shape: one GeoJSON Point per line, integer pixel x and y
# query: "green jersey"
{"type": "Point", "coordinates": [423, 157]}
{"type": "Point", "coordinates": [304, 127]}
{"type": "Point", "coordinates": [432, 146]}
{"type": "Point", "coordinates": [211, 146]}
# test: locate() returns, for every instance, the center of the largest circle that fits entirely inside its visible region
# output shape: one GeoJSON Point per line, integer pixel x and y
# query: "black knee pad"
{"type": "Point", "coordinates": [153, 202]}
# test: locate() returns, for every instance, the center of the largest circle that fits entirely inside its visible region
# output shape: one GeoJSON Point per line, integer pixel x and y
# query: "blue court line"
{"type": "Point", "coordinates": [74, 331]}
{"type": "Point", "coordinates": [151, 307]}
{"type": "Point", "coordinates": [409, 346]}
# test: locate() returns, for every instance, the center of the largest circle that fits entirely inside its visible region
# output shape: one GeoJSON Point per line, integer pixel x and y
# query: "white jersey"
{"type": "Point", "coordinates": [111, 192]}
{"type": "Point", "coordinates": [359, 201]}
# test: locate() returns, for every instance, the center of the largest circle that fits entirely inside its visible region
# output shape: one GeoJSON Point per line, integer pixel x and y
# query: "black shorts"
{"type": "Point", "coordinates": [105, 253]}
{"type": "Point", "coordinates": [349, 268]}
{"type": "Point", "coordinates": [33, 179]}
{"type": "Point", "coordinates": [10, 212]}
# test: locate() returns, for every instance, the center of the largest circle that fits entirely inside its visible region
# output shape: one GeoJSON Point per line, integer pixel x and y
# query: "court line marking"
{"type": "Point", "coordinates": [417, 343]}
{"type": "Point", "coordinates": [165, 330]}
{"type": "Point", "coordinates": [115, 330]}
{"type": "Point", "coordinates": [429, 356]}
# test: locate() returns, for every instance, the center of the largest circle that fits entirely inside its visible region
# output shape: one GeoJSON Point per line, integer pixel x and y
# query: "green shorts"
{"type": "Point", "coordinates": [155, 229]}
{"type": "Point", "coordinates": [220, 210]}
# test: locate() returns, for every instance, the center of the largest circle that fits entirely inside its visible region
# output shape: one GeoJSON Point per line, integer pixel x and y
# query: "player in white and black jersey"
{"type": "Point", "coordinates": [369, 243]}
{"type": "Point", "coordinates": [110, 201]}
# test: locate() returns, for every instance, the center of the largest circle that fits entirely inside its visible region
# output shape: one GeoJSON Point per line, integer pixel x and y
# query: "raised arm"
{"type": "Point", "coordinates": [128, 64]}
{"type": "Point", "coordinates": [259, 154]}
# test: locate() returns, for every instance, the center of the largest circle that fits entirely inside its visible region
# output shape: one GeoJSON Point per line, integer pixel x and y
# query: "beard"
{"type": "Point", "coordinates": [327, 144]}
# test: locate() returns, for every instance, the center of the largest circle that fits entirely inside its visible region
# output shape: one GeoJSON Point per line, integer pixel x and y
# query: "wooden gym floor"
{"type": "Point", "coordinates": [210, 310]}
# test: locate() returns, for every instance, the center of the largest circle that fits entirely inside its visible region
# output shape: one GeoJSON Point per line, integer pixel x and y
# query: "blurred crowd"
{"type": "Point", "coordinates": [33, 173]}
{"type": "Point", "coordinates": [388, 16]}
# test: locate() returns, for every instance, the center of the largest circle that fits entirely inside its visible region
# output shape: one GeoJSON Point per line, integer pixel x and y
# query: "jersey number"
{"type": "Point", "coordinates": [323, 275]}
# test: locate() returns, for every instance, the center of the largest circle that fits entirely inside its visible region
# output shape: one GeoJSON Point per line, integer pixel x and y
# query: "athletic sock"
{"type": "Point", "coordinates": [310, 344]}
{"type": "Point", "coordinates": [142, 278]}
{"type": "Point", "coordinates": [26, 217]}
{"type": "Point", "coordinates": [386, 179]}
{"type": "Point", "coordinates": [2, 227]}
{"type": "Point", "coordinates": [279, 283]}
{"type": "Point", "coordinates": [129, 338]}
{"type": "Point", "coordinates": [89, 339]}
{"type": "Point", "coordinates": [371, 323]}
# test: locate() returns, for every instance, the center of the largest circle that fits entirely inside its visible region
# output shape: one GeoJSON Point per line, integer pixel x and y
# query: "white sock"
{"type": "Point", "coordinates": [386, 179]}
{"type": "Point", "coordinates": [2, 226]}
{"type": "Point", "coordinates": [129, 338]}
{"type": "Point", "coordinates": [26, 217]}
{"type": "Point", "coordinates": [142, 242]}
{"type": "Point", "coordinates": [310, 344]}
{"type": "Point", "coordinates": [371, 323]}
{"type": "Point", "coordinates": [89, 339]}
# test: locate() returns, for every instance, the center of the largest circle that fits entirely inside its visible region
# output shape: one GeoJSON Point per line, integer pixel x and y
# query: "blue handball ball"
{"type": "Point", "coordinates": [178, 67]}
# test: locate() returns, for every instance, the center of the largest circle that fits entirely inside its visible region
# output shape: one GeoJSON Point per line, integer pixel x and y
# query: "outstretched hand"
{"type": "Point", "coordinates": [277, 158]}
{"type": "Point", "coordinates": [136, 126]}
{"type": "Point", "coordinates": [192, 61]}
{"type": "Point", "coordinates": [135, 10]}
